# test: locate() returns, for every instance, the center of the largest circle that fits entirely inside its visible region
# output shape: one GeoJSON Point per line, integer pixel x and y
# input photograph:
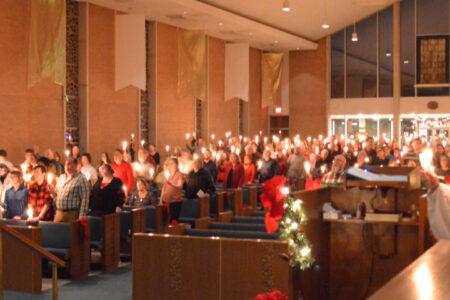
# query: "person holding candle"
{"type": "Point", "coordinates": [5, 181]}
{"type": "Point", "coordinates": [87, 169]}
{"type": "Point", "coordinates": [54, 165]}
{"type": "Point", "coordinates": [249, 169]}
{"type": "Point", "coordinates": [4, 159]}
{"type": "Point", "coordinates": [123, 170]}
{"type": "Point", "coordinates": [154, 154]}
{"type": "Point", "coordinates": [209, 164]}
{"type": "Point", "coordinates": [39, 196]}
{"type": "Point", "coordinates": [107, 195]}
{"type": "Point", "coordinates": [235, 177]}
{"type": "Point", "coordinates": [16, 198]}
{"type": "Point", "coordinates": [172, 190]}
{"type": "Point", "coordinates": [75, 152]}
{"type": "Point", "coordinates": [268, 167]}
{"type": "Point", "coordinates": [222, 166]}
{"type": "Point", "coordinates": [104, 159]}
{"type": "Point", "coordinates": [142, 195]}
{"type": "Point", "coordinates": [296, 174]}
{"type": "Point", "coordinates": [199, 179]}
{"type": "Point", "coordinates": [336, 175]}
{"type": "Point", "coordinates": [72, 194]}
{"type": "Point", "coordinates": [142, 166]}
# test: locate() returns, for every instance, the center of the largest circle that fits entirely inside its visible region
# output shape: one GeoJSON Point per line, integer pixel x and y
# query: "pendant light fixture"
{"type": "Point", "coordinates": [354, 34]}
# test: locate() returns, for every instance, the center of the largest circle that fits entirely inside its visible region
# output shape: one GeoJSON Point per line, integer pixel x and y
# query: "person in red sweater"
{"type": "Point", "coordinates": [123, 170]}
{"type": "Point", "coordinates": [222, 166]}
{"type": "Point", "coordinates": [235, 177]}
{"type": "Point", "coordinates": [249, 169]}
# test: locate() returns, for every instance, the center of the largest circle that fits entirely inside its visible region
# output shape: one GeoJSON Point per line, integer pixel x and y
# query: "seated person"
{"type": "Point", "coordinates": [172, 190]}
{"type": "Point", "coordinates": [235, 177]}
{"type": "Point", "coordinates": [336, 176]}
{"type": "Point", "coordinates": [141, 195]}
{"type": "Point", "coordinates": [198, 179]}
{"type": "Point", "coordinates": [107, 195]}
{"type": "Point", "coordinates": [16, 198]}
{"type": "Point", "coordinates": [39, 196]}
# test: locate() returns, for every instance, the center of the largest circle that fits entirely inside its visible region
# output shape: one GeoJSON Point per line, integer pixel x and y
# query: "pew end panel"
{"type": "Point", "coordinates": [225, 217]}
{"type": "Point", "coordinates": [79, 264]}
{"type": "Point", "coordinates": [111, 242]}
{"type": "Point", "coordinates": [22, 268]}
{"type": "Point", "coordinates": [203, 223]}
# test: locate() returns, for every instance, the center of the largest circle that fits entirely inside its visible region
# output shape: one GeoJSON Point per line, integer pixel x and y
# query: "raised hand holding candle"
{"type": "Point", "coordinates": [426, 159]}
{"type": "Point", "coordinates": [307, 166]}
{"type": "Point", "coordinates": [67, 152]}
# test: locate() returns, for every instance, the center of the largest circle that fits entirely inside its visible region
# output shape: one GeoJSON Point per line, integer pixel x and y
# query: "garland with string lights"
{"type": "Point", "coordinates": [291, 231]}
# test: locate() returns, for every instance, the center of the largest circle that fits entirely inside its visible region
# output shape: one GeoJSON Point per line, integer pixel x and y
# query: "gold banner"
{"type": "Point", "coordinates": [47, 42]}
{"type": "Point", "coordinates": [271, 78]}
{"type": "Point", "coordinates": [192, 64]}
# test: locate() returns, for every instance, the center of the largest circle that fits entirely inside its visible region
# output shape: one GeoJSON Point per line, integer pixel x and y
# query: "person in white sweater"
{"type": "Point", "coordinates": [438, 201]}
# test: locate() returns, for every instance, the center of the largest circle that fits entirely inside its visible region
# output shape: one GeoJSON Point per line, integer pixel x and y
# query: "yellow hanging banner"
{"type": "Point", "coordinates": [192, 64]}
{"type": "Point", "coordinates": [47, 42]}
{"type": "Point", "coordinates": [271, 78]}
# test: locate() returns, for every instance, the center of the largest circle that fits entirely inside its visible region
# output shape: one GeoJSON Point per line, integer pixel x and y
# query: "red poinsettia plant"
{"type": "Point", "coordinates": [272, 199]}
{"type": "Point", "coordinates": [275, 295]}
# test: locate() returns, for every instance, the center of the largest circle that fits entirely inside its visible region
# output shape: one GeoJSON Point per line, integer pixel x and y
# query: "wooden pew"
{"type": "Point", "coordinates": [105, 237]}
{"type": "Point", "coordinates": [195, 211]}
{"type": "Point", "coordinates": [22, 268]}
{"type": "Point", "coordinates": [207, 268]}
{"type": "Point", "coordinates": [252, 199]}
{"type": "Point", "coordinates": [222, 215]}
{"type": "Point", "coordinates": [428, 277]}
{"type": "Point", "coordinates": [68, 242]}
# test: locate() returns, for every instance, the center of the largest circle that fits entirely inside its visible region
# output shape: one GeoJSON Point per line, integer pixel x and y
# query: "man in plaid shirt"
{"type": "Point", "coordinates": [72, 194]}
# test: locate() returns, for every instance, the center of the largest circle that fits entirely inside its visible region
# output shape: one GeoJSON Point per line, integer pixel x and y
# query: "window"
{"type": "Point", "coordinates": [362, 59]}
{"type": "Point", "coordinates": [368, 125]}
{"type": "Point", "coordinates": [385, 53]}
{"type": "Point", "coordinates": [407, 47]}
{"type": "Point", "coordinates": [337, 65]}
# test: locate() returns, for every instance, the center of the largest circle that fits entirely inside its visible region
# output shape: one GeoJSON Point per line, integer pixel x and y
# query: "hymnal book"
{"type": "Point", "coordinates": [369, 176]}
{"type": "Point", "coordinates": [394, 218]}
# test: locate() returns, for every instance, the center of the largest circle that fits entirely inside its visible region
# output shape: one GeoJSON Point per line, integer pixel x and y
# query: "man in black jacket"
{"type": "Point", "coordinates": [210, 165]}
{"type": "Point", "coordinates": [269, 167]}
{"type": "Point", "coordinates": [198, 179]}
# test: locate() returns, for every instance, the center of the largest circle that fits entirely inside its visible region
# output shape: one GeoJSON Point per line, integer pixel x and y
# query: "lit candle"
{"type": "Point", "coordinates": [166, 174]}
{"type": "Point", "coordinates": [323, 169]}
{"type": "Point", "coordinates": [27, 177]}
{"type": "Point", "coordinates": [260, 164]}
{"type": "Point", "coordinates": [188, 136]}
{"type": "Point", "coordinates": [426, 159]}
{"type": "Point", "coordinates": [238, 151]}
{"type": "Point", "coordinates": [167, 148]}
{"type": "Point", "coordinates": [124, 188]}
{"type": "Point", "coordinates": [50, 178]}
{"type": "Point", "coordinates": [142, 143]}
{"type": "Point", "coordinates": [213, 136]}
{"type": "Point", "coordinates": [24, 168]}
{"type": "Point", "coordinates": [88, 176]}
{"type": "Point", "coordinates": [67, 153]}
{"type": "Point", "coordinates": [151, 171]}
{"type": "Point", "coordinates": [307, 166]}
{"type": "Point", "coordinates": [285, 190]}
{"type": "Point", "coordinates": [30, 212]}
{"type": "Point", "coordinates": [124, 145]}
{"type": "Point", "coordinates": [132, 136]}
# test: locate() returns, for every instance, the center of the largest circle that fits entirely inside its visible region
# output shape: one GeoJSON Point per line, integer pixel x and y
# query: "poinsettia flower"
{"type": "Point", "coordinates": [273, 199]}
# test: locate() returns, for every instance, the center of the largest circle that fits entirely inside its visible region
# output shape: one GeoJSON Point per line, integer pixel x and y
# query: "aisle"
{"type": "Point", "coordinates": [111, 286]}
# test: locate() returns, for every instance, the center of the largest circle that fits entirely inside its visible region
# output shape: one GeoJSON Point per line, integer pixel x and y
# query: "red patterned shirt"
{"type": "Point", "coordinates": [38, 197]}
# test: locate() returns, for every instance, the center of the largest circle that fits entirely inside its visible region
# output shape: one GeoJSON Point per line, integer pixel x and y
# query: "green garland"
{"type": "Point", "coordinates": [291, 231]}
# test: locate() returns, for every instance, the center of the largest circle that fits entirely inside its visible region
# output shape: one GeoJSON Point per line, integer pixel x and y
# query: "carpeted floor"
{"type": "Point", "coordinates": [110, 286]}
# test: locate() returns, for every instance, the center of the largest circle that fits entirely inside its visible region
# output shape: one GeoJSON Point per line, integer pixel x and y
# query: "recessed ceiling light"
{"type": "Point", "coordinates": [286, 7]}
{"type": "Point", "coordinates": [325, 26]}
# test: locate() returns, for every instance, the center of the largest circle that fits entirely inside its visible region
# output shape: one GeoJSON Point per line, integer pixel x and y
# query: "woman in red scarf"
{"type": "Point", "coordinates": [235, 176]}
{"type": "Point", "coordinates": [222, 166]}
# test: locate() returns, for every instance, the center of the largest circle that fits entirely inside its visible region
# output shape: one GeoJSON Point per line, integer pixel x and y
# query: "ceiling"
{"type": "Point", "coordinates": [261, 23]}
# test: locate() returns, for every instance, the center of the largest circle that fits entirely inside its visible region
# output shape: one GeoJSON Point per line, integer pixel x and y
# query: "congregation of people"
{"type": "Point", "coordinates": [44, 187]}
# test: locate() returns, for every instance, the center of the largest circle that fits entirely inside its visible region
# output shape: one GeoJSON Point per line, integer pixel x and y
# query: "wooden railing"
{"type": "Point", "coordinates": [55, 261]}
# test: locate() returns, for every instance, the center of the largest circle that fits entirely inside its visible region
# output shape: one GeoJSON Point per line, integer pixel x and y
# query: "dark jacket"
{"type": "Point", "coordinates": [268, 169]}
{"type": "Point", "coordinates": [210, 166]}
{"type": "Point", "coordinates": [105, 200]}
{"type": "Point", "coordinates": [16, 203]}
{"type": "Point", "coordinates": [201, 180]}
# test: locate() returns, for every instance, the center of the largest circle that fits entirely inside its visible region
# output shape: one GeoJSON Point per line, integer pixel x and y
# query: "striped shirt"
{"type": "Point", "coordinates": [73, 193]}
